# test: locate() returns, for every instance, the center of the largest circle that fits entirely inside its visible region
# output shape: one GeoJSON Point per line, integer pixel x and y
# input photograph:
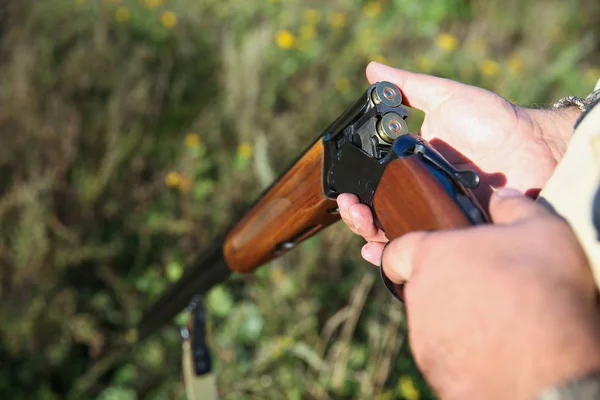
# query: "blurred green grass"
{"type": "Point", "coordinates": [133, 129]}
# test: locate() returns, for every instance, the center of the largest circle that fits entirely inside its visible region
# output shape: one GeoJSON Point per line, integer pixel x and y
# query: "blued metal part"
{"type": "Point", "coordinates": [360, 129]}
{"type": "Point", "coordinates": [204, 273]}
{"type": "Point", "coordinates": [363, 176]}
{"type": "Point", "coordinates": [468, 177]}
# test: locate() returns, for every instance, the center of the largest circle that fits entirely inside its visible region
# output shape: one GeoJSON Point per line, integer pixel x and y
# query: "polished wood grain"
{"type": "Point", "coordinates": [293, 208]}
{"type": "Point", "coordinates": [409, 198]}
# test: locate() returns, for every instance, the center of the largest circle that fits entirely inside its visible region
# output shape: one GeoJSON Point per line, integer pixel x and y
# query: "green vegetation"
{"type": "Point", "coordinates": [133, 129]}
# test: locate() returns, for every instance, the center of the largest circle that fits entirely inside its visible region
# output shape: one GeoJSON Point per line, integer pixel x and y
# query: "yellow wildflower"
{"type": "Point", "coordinates": [372, 9]}
{"type": "Point", "coordinates": [424, 63]}
{"type": "Point", "coordinates": [342, 85]}
{"type": "Point", "coordinates": [245, 150]}
{"type": "Point", "coordinates": [307, 32]}
{"type": "Point", "coordinates": [152, 3]}
{"type": "Point", "coordinates": [192, 140]}
{"type": "Point", "coordinates": [338, 19]}
{"type": "Point", "coordinates": [122, 14]}
{"type": "Point", "coordinates": [489, 67]}
{"type": "Point", "coordinates": [168, 19]}
{"type": "Point", "coordinates": [380, 59]}
{"type": "Point", "coordinates": [447, 42]}
{"type": "Point", "coordinates": [312, 16]}
{"type": "Point", "coordinates": [515, 65]}
{"type": "Point", "coordinates": [407, 388]}
{"type": "Point", "coordinates": [173, 179]}
{"type": "Point", "coordinates": [285, 39]}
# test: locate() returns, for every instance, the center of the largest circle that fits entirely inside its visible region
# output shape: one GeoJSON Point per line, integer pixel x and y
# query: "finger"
{"type": "Point", "coordinates": [362, 216]}
{"type": "Point", "coordinates": [400, 255]}
{"type": "Point", "coordinates": [344, 201]}
{"type": "Point", "coordinates": [424, 92]}
{"type": "Point", "coordinates": [371, 252]}
{"type": "Point", "coordinates": [509, 205]}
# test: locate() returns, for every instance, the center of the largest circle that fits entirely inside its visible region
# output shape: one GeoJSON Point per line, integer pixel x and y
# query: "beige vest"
{"type": "Point", "coordinates": [572, 187]}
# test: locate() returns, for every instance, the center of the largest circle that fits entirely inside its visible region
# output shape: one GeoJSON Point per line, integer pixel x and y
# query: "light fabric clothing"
{"type": "Point", "coordinates": [572, 189]}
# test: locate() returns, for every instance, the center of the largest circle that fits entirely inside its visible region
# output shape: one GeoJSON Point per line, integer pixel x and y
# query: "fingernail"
{"type": "Point", "coordinates": [507, 192]}
{"type": "Point", "coordinates": [368, 256]}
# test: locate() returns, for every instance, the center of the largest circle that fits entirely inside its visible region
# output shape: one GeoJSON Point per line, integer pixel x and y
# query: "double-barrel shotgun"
{"type": "Point", "coordinates": [366, 151]}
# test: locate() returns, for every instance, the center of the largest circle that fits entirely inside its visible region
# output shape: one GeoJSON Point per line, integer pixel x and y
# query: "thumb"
{"type": "Point", "coordinates": [509, 205]}
{"type": "Point", "coordinates": [399, 255]}
{"type": "Point", "coordinates": [423, 92]}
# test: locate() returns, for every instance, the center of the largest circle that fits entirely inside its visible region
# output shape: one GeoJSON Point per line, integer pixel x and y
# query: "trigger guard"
{"type": "Point", "coordinates": [397, 291]}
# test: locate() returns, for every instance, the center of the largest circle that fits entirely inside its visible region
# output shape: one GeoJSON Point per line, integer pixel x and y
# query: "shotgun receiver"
{"type": "Point", "coordinates": [366, 151]}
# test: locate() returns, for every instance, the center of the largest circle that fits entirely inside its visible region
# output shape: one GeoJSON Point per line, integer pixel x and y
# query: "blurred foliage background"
{"type": "Point", "coordinates": [133, 129]}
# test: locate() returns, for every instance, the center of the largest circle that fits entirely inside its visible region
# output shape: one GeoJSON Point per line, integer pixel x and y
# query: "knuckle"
{"type": "Point", "coordinates": [368, 230]}
{"type": "Point", "coordinates": [421, 245]}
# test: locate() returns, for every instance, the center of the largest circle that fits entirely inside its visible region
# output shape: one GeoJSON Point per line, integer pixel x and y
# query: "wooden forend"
{"type": "Point", "coordinates": [294, 208]}
{"type": "Point", "coordinates": [409, 198]}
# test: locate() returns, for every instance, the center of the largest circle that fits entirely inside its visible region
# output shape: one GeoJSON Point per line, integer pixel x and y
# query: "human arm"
{"type": "Point", "coordinates": [500, 311]}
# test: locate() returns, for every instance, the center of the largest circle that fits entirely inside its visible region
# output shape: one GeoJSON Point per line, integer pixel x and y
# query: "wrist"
{"type": "Point", "coordinates": [554, 127]}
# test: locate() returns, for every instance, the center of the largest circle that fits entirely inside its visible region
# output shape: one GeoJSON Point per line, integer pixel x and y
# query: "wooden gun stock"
{"type": "Point", "coordinates": [291, 210]}
{"type": "Point", "coordinates": [409, 198]}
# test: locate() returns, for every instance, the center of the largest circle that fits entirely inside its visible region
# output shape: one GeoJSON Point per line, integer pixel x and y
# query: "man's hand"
{"type": "Point", "coordinates": [499, 311]}
{"type": "Point", "coordinates": [510, 145]}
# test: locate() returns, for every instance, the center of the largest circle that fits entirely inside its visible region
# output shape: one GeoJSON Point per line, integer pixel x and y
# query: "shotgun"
{"type": "Point", "coordinates": [366, 151]}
